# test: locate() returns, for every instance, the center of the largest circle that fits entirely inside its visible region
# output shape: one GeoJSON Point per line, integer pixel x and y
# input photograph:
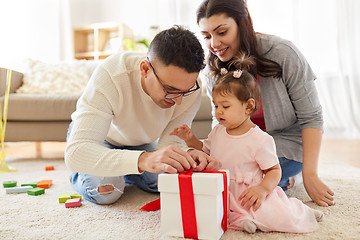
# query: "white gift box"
{"type": "Point", "coordinates": [208, 199]}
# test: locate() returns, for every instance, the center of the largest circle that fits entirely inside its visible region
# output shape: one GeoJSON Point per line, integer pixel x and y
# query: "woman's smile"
{"type": "Point", "coordinates": [221, 52]}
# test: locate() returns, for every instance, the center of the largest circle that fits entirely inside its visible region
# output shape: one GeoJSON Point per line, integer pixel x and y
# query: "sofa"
{"type": "Point", "coordinates": [38, 117]}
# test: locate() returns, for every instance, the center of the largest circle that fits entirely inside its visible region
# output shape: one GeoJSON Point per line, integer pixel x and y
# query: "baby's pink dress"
{"type": "Point", "coordinates": [245, 156]}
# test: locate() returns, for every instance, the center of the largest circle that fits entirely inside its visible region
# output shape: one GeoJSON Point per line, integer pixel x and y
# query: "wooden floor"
{"type": "Point", "coordinates": [35, 150]}
{"type": "Point", "coordinates": [343, 150]}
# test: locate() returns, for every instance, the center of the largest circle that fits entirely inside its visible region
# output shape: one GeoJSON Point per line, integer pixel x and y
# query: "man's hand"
{"type": "Point", "coordinates": [204, 161]}
{"type": "Point", "coordinates": [169, 159]}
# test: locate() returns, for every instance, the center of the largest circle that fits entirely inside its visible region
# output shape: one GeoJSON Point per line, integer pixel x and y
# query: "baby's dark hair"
{"type": "Point", "coordinates": [243, 87]}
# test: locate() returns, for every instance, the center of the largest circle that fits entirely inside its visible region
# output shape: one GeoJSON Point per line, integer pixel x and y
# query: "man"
{"type": "Point", "coordinates": [131, 104]}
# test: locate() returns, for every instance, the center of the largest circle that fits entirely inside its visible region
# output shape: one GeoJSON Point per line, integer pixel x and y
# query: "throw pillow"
{"type": "Point", "coordinates": [55, 79]}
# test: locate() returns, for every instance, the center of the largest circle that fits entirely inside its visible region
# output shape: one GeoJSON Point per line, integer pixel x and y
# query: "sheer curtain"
{"type": "Point", "coordinates": [37, 29]}
{"type": "Point", "coordinates": [66, 46]}
{"type": "Point", "coordinates": [348, 27]}
{"type": "Point", "coordinates": [339, 72]}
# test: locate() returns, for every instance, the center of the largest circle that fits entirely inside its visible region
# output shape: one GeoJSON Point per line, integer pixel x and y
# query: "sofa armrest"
{"type": "Point", "coordinates": [16, 81]}
{"type": "Point", "coordinates": [201, 125]}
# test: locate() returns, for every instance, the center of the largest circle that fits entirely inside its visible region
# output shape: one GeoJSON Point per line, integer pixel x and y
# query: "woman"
{"type": "Point", "coordinates": [290, 109]}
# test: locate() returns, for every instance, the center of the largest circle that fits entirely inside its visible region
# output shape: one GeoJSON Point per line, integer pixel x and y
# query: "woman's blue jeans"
{"type": "Point", "coordinates": [87, 185]}
{"type": "Point", "coordinates": [289, 168]}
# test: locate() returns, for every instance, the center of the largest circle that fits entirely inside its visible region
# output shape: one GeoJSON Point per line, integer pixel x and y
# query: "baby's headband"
{"type": "Point", "coordinates": [236, 74]}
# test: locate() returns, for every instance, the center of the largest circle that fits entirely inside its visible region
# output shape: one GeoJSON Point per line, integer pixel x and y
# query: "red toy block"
{"type": "Point", "coordinates": [44, 184]}
{"type": "Point", "coordinates": [49, 168]}
{"type": "Point", "coordinates": [74, 202]}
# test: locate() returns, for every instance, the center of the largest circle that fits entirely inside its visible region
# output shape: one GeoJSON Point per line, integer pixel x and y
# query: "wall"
{"type": "Point", "coordinates": [139, 15]}
{"type": "Point", "coordinates": [28, 31]}
{"type": "Point", "coordinates": [42, 29]}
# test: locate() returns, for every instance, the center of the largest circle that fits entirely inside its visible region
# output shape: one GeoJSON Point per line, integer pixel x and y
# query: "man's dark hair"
{"type": "Point", "coordinates": [179, 47]}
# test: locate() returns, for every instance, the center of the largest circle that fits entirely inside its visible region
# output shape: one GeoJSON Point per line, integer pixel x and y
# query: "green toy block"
{"type": "Point", "coordinates": [33, 184]}
{"type": "Point", "coordinates": [75, 195]}
{"type": "Point", "coordinates": [8, 184]}
{"type": "Point", "coordinates": [36, 191]}
{"type": "Point", "coordinates": [63, 197]}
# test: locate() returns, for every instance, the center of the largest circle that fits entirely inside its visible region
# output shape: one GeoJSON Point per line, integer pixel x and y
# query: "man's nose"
{"type": "Point", "coordinates": [178, 99]}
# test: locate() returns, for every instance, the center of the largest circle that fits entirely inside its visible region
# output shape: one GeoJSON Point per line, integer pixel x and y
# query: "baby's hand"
{"type": "Point", "coordinates": [183, 132]}
{"type": "Point", "coordinates": [253, 196]}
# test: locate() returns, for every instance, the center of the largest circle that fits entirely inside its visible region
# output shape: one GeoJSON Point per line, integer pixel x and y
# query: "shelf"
{"type": "Point", "coordinates": [93, 55]}
{"type": "Point", "coordinates": [92, 42]}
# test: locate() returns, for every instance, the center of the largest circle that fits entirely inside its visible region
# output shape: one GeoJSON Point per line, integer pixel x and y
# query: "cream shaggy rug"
{"type": "Point", "coordinates": [41, 217]}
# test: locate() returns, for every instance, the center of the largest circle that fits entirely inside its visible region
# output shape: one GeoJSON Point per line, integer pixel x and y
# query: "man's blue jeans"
{"type": "Point", "coordinates": [289, 168]}
{"type": "Point", "coordinates": [87, 185]}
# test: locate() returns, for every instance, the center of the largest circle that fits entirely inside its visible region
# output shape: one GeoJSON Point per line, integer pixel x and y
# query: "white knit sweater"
{"type": "Point", "coordinates": [114, 107]}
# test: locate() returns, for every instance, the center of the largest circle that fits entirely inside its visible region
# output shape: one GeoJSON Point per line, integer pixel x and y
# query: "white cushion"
{"type": "Point", "coordinates": [55, 79]}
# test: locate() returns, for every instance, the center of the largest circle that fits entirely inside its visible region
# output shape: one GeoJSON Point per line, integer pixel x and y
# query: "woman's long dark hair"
{"type": "Point", "coordinates": [238, 10]}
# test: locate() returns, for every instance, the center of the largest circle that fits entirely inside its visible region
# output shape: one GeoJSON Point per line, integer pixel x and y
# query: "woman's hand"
{"type": "Point", "coordinates": [253, 196]}
{"type": "Point", "coordinates": [318, 191]}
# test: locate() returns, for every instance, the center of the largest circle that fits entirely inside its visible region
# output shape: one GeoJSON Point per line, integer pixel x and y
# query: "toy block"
{"type": "Point", "coordinates": [44, 184]}
{"type": "Point", "coordinates": [75, 202]}
{"type": "Point", "coordinates": [75, 195]}
{"type": "Point", "coordinates": [22, 189]}
{"type": "Point", "coordinates": [64, 197]}
{"type": "Point", "coordinates": [32, 184]}
{"type": "Point", "coordinates": [8, 184]}
{"type": "Point", "coordinates": [36, 191]}
{"type": "Point", "coordinates": [49, 168]}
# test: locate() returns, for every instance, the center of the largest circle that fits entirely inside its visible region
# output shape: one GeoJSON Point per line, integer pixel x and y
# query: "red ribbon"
{"type": "Point", "coordinates": [225, 197]}
{"type": "Point", "coordinates": [188, 205]}
{"type": "Point", "coordinates": [152, 206]}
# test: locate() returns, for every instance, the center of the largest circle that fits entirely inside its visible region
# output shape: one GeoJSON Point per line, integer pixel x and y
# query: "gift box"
{"type": "Point", "coordinates": [194, 204]}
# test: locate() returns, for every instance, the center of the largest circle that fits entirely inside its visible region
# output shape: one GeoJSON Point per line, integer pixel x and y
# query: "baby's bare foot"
{"type": "Point", "coordinates": [249, 226]}
{"type": "Point", "coordinates": [291, 182]}
{"type": "Point", "coordinates": [295, 181]}
{"type": "Point", "coordinates": [318, 215]}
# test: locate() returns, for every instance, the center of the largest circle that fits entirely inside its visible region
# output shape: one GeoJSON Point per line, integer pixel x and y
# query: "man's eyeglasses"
{"type": "Point", "coordinates": [171, 95]}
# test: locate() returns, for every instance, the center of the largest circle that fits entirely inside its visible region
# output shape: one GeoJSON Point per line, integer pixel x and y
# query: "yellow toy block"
{"type": "Point", "coordinates": [64, 197]}
{"type": "Point", "coordinates": [75, 195]}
